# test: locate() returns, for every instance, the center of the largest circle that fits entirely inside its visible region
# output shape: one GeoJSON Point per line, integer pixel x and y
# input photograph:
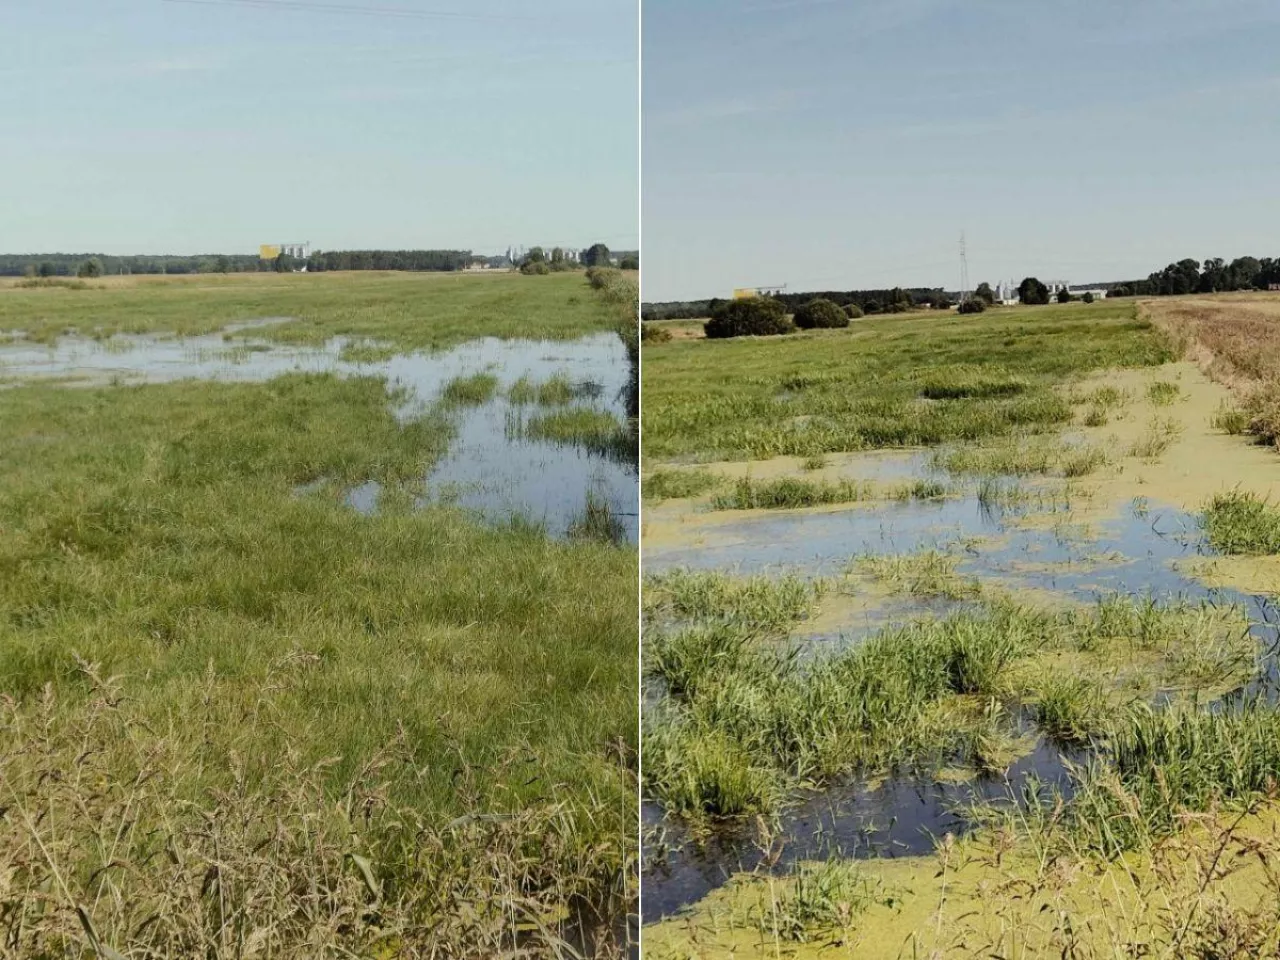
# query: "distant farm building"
{"type": "Point", "coordinates": [1007, 292]}
{"type": "Point", "coordinates": [273, 251]}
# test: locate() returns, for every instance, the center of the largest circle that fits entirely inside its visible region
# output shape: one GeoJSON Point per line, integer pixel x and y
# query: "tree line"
{"type": "Point", "coordinates": [96, 264]}
{"type": "Point", "coordinates": [894, 300]}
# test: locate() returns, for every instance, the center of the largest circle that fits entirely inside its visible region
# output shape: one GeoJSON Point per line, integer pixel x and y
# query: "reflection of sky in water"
{"type": "Point", "coordinates": [1131, 554]}
{"type": "Point", "coordinates": [484, 470]}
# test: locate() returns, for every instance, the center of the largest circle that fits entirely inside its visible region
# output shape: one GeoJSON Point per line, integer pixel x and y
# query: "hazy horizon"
{"type": "Point", "coordinates": [848, 145]}
{"type": "Point", "coordinates": [189, 127]}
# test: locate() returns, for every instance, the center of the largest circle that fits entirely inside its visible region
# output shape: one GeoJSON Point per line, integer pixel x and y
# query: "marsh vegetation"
{"type": "Point", "coordinates": [241, 717]}
{"type": "Point", "coordinates": [1007, 676]}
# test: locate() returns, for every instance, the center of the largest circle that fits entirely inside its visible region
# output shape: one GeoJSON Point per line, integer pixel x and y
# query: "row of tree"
{"type": "Point", "coordinates": [895, 300]}
{"type": "Point", "coordinates": [97, 264]}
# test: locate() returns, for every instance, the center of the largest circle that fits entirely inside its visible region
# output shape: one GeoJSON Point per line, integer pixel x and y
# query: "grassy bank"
{"type": "Point", "coordinates": [883, 382]}
{"type": "Point", "coordinates": [240, 718]}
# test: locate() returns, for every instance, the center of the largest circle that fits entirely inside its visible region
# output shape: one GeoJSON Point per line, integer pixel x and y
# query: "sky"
{"type": "Point", "coordinates": [201, 126]}
{"type": "Point", "coordinates": [842, 144]}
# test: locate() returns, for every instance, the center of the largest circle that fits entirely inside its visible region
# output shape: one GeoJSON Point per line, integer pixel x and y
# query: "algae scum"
{"type": "Point", "coordinates": [495, 466]}
{"type": "Point", "coordinates": [1033, 548]}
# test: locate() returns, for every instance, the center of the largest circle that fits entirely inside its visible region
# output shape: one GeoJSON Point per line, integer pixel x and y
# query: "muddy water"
{"type": "Point", "coordinates": [1144, 550]}
{"type": "Point", "coordinates": [486, 470]}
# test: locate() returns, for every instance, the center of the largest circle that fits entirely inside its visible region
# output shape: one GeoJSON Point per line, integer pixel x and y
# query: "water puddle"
{"type": "Point", "coordinates": [901, 816]}
{"type": "Point", "coordinates": [1141, 551]}
{"type": "Point", "coordinates": [499, 474]}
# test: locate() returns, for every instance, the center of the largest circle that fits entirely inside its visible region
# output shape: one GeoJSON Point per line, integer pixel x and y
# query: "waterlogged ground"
{"type": "Point", "coordinates": [233, 631]}
{"type": "Point", "coordinates": [1052, 536]}
{"type": "Point", "coordinates": [492, 466]}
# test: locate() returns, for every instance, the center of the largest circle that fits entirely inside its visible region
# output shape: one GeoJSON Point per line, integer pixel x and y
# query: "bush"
{"type": "Point", "coordinates": [535, 268]}
{"type": "Point", "coordinates": [972, 305]}
{"type": "Point", "coordinates": [1088, 297]}
{"type": "Point", "coordinates": [1064, 296]}
{"type": "Point", "coordinates": [854, 311]}
{"type": "Point", "coordinates": [820, 313]}
{"type": "Point", "coordinates": [754, 317]}
{"type": "Point", "coordinates": [629, 263]}
{"type": "Point", "coordinates": [652, 334]}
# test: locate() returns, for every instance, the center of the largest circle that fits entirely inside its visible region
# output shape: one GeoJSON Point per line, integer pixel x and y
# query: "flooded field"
{"type": "Point", "coordinates": [318, 609]}
{"type": "Point", "coordinates": [1072, 568]}
{"type": "Point", "coordinates": [492, 467]}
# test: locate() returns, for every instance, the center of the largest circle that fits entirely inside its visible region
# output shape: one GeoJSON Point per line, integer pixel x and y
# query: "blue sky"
{"type": "Point", "coordinates": [183, 126]}
{"type": "Point", "coordinates": [837, 144]}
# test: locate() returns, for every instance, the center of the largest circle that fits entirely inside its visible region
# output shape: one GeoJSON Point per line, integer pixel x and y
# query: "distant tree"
{"type": "Point", "coordinates": [596, 255]}
{"type": "Point", "coordinates": [47, 269]}
{"type": "Point", "coordinates": [974, 304]}
{"type": "Point", "coordinates": [535, 255]}
{"type": "Point", "coordinates": [1119, 290]}
{"type": "Point", "coordinates": [629, 263]}
{"type": "Point", "coordinates": [820, 313]}
{"type": "Point", "coordinates": [29, 270]}
{"type": "Point", "coordinates": [985, 293]}
{"type": "Point", "coordinates": [90, 268]}
{"type": "Point", "coordinates": [1088, 296]}
{"type": "Point", "coordinates": [1064, 295]}
{"type": "Point", "coordinates": [557, 255]}
{"type": "Point", "coordinates": [854, 311]}
{"type": "Point", "coordinates": [899, 301]}
{"type": "Point", "coordinates": [750, 317]}
{"type": "Point", "coordinates": [284, 263]}
{"type": "Point", "coordinates": [1032, 291]}
{"type": "Point", "coordinates": [535, 268]}
{"type": "Point", "coordinates": [222, 264]}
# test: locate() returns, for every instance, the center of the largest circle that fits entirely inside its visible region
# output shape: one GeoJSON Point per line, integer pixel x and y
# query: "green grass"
{"type": "Point", "coordinates": [1021, 457]}
{"type": "Point", "coordinates": [1161, 393]}
{"type": "Point", "coordinates": [744, 721]}
{"type": "Point", "coordinates": [674, 484]}
{"type": "Point", "coordinates": [1242, 522]}
{"type": "Point", "coordinates": [1160, 764]}
{"type": "Point", "coordinates": [789, 493]}
{"type": "Point", "coordinates": [925, 574]}
{"type": "Point", "coordinates": [472, 390]}
{"type": "Point", "coordinates": [757, 602]}
{"type": "Point", "coordinates": [595, 430]}
{"type": "Point", "coordinates": [410, 310]}
{"type": "Point", "coordinates": [884, 382]}
{"type": "Point", "coordinates": [219, 668]}
{"type": "Point", "coordinates": [557, 391]}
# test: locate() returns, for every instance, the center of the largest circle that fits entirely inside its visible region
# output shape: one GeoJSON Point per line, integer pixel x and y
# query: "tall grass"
{"type": "Point", "coordinates": [470, 391]}
{"type": "Point", "coordinates": [789, 493]}
{"type": "Point", "coordinates": [673, 484]}
{"type": "Point", "coordinates": [295, 682]}
{"type": "Point", "coordinates": [1242, 522]}
{"type": "Point", "coordinates": [923, 695]}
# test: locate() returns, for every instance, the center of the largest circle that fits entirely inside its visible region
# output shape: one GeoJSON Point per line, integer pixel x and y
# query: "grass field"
{"type": "Point", "coordinates": [408, 310]}
{"type": "Point", "coordinates": [883, 382]}
{"type": "Point", "coordinates": [239, 721]}
{"type": "Point", "coordinates": [1064, 419]}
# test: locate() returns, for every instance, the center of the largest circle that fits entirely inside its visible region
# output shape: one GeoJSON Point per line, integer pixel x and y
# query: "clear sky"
{"type": "Point", "coordinates": [838, 144]}
{"type": "Point", "coordinates": [194, 126]}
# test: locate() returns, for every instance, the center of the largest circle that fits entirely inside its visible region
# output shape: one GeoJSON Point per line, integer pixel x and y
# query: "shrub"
{"type": "Point", "coordinates": [972, 305]}
{"type": "Point", "coordinates": [535, 268]}
{"type": "Point", "coordinates": [651, 334]}
{"type": "Point", "coordinates": [820, 313]}
{"type": "Point", "coordinates": [1064, 296]}
{"type": "Point", "coordinates": [754, 317]}
{"type": "Point", "coordinates": [854, 311]}
{"type": "Point", "coordinates": [1088, 297]}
